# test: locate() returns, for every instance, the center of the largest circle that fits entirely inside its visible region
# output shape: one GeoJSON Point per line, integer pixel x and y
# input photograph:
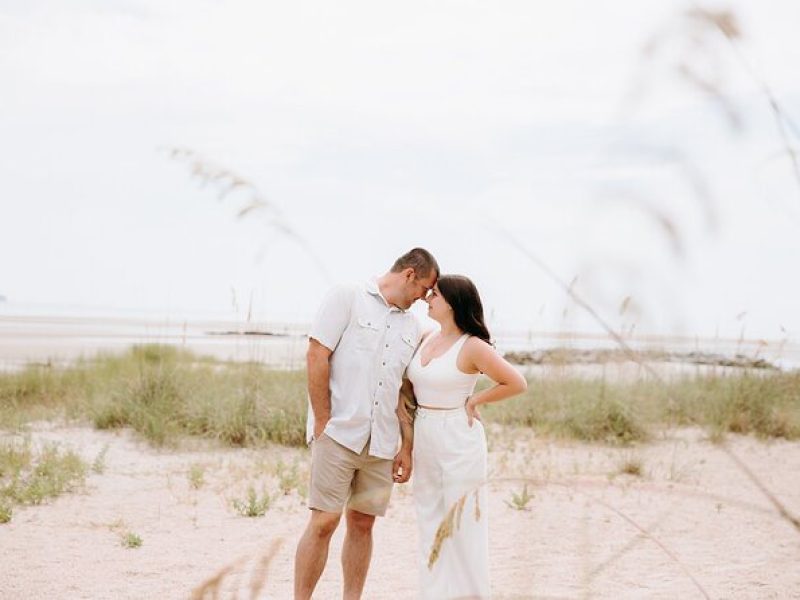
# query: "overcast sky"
{"type": "Point", "coordinates": [470, 128]}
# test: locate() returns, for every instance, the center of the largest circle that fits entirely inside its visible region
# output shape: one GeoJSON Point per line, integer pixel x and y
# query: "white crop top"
{"type": "Point", "coordinates": [440, 383]}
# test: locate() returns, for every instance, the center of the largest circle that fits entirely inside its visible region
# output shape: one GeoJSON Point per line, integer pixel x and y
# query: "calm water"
{"type": "Point", "coordinates": [59, 336]}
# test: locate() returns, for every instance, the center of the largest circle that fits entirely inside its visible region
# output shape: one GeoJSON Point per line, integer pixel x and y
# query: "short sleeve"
{"type": "Point", "coordinates": [332, 317]}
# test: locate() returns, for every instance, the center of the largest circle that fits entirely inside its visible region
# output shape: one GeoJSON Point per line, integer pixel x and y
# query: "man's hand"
{"type": "Point", "coordinates": [401, 469]}
{"type": "Point", "coordinates": [319, 426]}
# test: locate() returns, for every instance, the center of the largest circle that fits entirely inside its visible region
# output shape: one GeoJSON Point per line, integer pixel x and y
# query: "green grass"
{"type": "Point", "coordinates": [766, 406]}
{"type": "Point", "coordinates": [166, 394]}
{"type": "Point", "coordinates": [520, 501]}
{"type": "Point", "coordinates": [577, 409]}
{"type": "Point", "coordinates": [99, 463]}
{"type": "Point", "coordinates": [30, 476]}
{"type": "Point", "coordinates": [196, 476]}
{"type": "Point", "coordinates": [290, 478]}
{"type": "Point", "coordinates": [6, 511]}
{"type": "Point", "coordinates": [253, 505]}
{"type": "Point", "coordinates": [763, 404]}
{"type": "Point", "coordinates": [163, 394]}
{"type": "Point", "coordinates": [130, 539]}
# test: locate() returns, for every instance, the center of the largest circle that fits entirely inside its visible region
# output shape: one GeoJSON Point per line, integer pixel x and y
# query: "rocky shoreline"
{"type": "Point", "coordinates": [572, 356]}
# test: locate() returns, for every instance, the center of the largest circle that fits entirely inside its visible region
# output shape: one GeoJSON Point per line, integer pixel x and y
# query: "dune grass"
{"type": "Point", "coordinates": [751, 402]}
{"type": "Point", "coordinates": [165, 393]}
{"type": "Point", "coordinates": [30, 475]}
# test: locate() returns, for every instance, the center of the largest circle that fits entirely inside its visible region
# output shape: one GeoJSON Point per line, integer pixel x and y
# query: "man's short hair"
{"type": "Point", "coordinates": [418, 259]}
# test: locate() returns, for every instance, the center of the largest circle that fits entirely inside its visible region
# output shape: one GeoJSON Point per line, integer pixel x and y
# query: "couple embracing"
{"type": "Point", "coordinates": [376, 383]}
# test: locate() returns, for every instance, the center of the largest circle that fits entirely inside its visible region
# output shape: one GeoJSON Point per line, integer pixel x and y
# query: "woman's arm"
{"type": "Point", "coordinates": [480, 356]}
{"type": "Point", "coordinates": [406, 405]}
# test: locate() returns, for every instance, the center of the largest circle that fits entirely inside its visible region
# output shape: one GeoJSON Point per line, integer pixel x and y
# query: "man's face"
{"type": "Point", "coordinates": [417, 288]}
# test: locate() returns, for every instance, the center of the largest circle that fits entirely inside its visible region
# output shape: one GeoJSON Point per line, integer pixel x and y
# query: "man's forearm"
{"type": "Point", "coordinates": [319, 391]}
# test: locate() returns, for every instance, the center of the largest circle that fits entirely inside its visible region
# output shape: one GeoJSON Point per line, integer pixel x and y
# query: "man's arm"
{"type": "Point", "coordinates": [405, 415]}
{"type": "Point", "coordinates": [326, 331]}
{"type": "Point", "coordinates": [319, 391]}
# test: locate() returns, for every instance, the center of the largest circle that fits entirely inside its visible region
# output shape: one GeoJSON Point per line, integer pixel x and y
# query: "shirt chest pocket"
{"type": "Point", "coordinates": [367, 334]}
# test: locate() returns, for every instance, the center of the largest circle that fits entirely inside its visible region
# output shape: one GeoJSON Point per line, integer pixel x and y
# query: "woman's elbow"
{"type": "Point", "coordinates": [521, 384]}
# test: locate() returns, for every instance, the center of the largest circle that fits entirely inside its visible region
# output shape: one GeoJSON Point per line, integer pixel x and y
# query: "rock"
{"type": "Point", "coordinates": [571, 356]}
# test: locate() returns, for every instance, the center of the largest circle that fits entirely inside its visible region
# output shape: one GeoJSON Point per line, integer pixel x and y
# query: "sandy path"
{"type": "Point", "coordinates": [578, 538]}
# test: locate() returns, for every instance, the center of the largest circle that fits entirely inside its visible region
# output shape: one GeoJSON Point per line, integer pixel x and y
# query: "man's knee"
{"type": "Point", "coordinates": [323, 524]}
{"type": "Point", "coordinates": [359, 523]}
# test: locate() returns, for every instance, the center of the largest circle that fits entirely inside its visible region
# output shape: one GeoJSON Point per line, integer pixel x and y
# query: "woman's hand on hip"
{"type": "Point", "coordinates": [471, 407]}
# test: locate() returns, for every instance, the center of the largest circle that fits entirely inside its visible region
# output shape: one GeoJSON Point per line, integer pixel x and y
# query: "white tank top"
{"type": "Point", "coordinates": [440, 383]}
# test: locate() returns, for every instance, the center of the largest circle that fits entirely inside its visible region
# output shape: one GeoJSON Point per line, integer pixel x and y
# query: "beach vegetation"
{"type": "Point", "coordinates": [254, 505]}
{"type": "Point", "coordinates": [31, 475]}
{"type": "Point", "coordinates": [196, 476]}
{"type": "Point", "coordinates": [165, 394]}
{"type": "Point", "coordinates": [631, 465]}
{"type": "Point", "coordinates": [290, 478]}
{"type": "Point", "coordinates": [99, 463]}
{"type": "Point", "coordinates": [520, 501]}
{"type": "Point", "coordinates": [129, 539]}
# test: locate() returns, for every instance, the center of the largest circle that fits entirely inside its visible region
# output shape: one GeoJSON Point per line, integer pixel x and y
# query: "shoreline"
{"type": "Point", "coordinates": [61, 340]}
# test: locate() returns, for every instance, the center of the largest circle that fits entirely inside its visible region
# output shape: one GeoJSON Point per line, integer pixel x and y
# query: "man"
{"type": "Point", "coordinates": [359, 345]}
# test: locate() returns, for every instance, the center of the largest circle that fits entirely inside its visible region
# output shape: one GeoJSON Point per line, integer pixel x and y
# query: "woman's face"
{"type": "Point", "coordinates": [438, 308]}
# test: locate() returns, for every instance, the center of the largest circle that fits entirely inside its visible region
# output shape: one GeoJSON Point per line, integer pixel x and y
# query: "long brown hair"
{"type": "Point", "coordinates": [462, 296]}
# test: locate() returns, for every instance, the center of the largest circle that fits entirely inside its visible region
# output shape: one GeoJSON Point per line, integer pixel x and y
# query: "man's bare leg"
{"type": "Point", "coordinates": [312, 552]}
{"type": "Point", "coordinates": [356, 553]}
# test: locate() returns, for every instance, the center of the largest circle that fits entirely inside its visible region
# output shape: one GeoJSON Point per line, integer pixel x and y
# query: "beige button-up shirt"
{"type": "Point", "coordinates": [372, 343]}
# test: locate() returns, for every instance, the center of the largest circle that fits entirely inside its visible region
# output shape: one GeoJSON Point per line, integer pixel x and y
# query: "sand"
{"type": "Point", "coordinates": [691, 525]}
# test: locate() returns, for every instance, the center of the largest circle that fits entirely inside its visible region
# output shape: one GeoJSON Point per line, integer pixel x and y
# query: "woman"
{"type": "Point", "coordinates": [450, 458]}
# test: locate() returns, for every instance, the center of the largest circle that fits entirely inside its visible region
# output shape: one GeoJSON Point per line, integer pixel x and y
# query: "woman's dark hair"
{"type": "Point", "coordinates": [462, 296]}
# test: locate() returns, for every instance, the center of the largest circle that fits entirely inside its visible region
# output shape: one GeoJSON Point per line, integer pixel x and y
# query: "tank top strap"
{"type": "Point", "coordinates": [458, 345]}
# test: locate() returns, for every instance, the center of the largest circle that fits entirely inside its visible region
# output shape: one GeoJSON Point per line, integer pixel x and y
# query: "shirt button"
{"type": "Point", "coordinates": [387, 345]}
{"type": "Point", "coordinates": [380, 383]}
{"type": "Point", "coordinates": [376, 404]}
{"type": "Point", "coordinates": [388, 327]}
{"type": "Point", "coordinates": [384, 363]}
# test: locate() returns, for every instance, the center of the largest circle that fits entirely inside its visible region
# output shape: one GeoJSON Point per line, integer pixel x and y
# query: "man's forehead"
{"type": "Point", "coordinates": [430, 281]}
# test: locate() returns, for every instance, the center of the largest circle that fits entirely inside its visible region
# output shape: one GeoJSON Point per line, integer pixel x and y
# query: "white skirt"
{"type": "Point", "coordinates": [450, 469]}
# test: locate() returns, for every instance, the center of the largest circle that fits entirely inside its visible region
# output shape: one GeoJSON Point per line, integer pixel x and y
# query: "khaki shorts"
{"type": "Point", "coordinates": [341, 477]}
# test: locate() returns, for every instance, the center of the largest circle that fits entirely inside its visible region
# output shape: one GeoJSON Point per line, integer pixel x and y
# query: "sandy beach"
{"type": "Point", "coordinates": [690, 525]}
{"type": "Point", "coordinates": [192, 188]}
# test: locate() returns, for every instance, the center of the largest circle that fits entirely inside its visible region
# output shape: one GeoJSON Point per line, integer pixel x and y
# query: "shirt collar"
{"type": "Point", "coordinates": [372, 288]}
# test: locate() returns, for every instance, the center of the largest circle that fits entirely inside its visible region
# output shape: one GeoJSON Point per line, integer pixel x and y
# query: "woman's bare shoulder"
{"type": "Point", "coordinates": [476, 344]}
{"type": "Point", "coordinates": [475, 353]}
